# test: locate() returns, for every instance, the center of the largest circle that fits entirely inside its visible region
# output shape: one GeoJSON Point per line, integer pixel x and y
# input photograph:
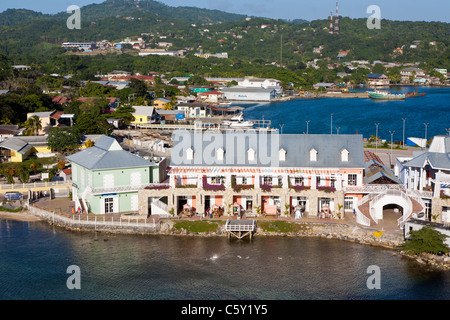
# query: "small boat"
{"type": "Point", "coordinates": [386, 95]}
{"type": "Point", "coordinates": [238, 122]}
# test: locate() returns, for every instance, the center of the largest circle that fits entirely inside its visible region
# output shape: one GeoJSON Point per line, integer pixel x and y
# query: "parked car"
{"type": "Point", "coordinates": [13, 195]}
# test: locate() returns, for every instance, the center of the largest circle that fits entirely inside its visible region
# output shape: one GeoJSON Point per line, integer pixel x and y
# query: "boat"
{"type": "Point", "coordinates": [238, 122]}
{"type": "Point", "coordinates": [415, 93]}
{"type": "Point", "coordinates": [386, 95]}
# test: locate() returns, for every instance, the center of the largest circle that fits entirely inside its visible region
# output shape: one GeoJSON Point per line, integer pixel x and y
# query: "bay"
{"type": "Point", "coordinates": [34, 258]}
{"type": "Point", "coordinates": [359, 115]}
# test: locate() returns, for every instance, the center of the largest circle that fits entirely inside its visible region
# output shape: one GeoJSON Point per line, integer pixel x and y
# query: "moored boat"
{"type": "Point", "coordinates": [238, 121]}
{"type": "Point", "coordinates": [386, 95]}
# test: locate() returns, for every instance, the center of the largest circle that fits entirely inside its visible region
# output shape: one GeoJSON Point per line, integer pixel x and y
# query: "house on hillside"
{"type": "Point", "coordinates": [143, 115]}
{"type": "Point", "coordinates": [377, 80]}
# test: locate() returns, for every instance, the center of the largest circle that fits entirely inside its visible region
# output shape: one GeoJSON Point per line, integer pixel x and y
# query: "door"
{"type": "Point", "coordinates": [108, 205]}
{"type": "Point", "coordinates": [134, 202]}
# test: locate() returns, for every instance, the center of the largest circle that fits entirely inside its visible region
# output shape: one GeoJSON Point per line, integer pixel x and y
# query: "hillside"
{"type": "Point", "coordinates": [29, 37]}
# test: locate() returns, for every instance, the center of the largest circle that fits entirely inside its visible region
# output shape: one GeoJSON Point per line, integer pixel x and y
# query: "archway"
{"type": "Point", "coordinates": [391, 213]}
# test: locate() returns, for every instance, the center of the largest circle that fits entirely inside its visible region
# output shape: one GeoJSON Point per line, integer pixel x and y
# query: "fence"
{"type": "Point", "coordinates": [97, 222]}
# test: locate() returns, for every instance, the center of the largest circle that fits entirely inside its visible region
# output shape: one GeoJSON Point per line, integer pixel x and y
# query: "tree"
{"type": "Point", "coordinates": [63, 139]}
{"type": "Point", "coordinates": [33, 125]}
{"type": "Point", "coordinates": [93, 123]}
{"type": "Point", "coordinates": [426, 240]}
{"type": "Point", "coordinates": [123, 112]}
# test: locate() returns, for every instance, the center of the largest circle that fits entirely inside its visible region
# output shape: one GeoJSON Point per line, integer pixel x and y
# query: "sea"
{"type": "Point", "coordinates": [42, 262]}
{"type": "Point", "coordinates": [359, 115]}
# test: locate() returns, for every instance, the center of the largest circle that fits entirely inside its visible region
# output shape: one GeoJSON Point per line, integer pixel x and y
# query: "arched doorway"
{"type": "Point", "coordinates": [391, 213]}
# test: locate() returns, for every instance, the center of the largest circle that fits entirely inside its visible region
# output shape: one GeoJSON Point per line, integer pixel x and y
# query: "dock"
{"type": "Point", "coordinates": [240, 228]}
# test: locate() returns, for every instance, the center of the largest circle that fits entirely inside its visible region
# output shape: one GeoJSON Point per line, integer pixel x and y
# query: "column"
{"type": "Point", "coordinates": [313, 181]}
{"type": "Point", "coordinates": [257, 181]}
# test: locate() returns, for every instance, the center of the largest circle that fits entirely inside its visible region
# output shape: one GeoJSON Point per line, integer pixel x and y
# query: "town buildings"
{"type": "Point", "coordinates": [269, 174]}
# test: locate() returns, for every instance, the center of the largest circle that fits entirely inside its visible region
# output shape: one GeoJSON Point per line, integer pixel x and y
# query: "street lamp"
{"type": "Point", "coordinates": [337, 130]}
{"type": "Point", "coordinates": [331, 129]}
{"type": "Point", "coordinates": [448, 131]}
{"type": "Point", "coordinates": [281, 125]}
{"type": "Point", "coordinates": [392, 137]}
{"type": "Point", "coordinates": [403, 143]}
{"type": "Point", "coordinates": [426, 127]}
{"type": "Point", "coordinates": [307, 125]}
{"type": "Point", "coordinates": [376, 138]}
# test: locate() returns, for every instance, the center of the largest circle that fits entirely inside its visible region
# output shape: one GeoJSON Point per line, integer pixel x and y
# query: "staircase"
{"type": "Point", "coordinates": [158, 207]}
{"type": "Point", "coordinates": [370, 208]}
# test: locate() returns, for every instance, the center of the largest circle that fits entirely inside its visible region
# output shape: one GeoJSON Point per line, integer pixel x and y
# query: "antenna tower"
{"type": "Point", "coordinates": [336, 21]}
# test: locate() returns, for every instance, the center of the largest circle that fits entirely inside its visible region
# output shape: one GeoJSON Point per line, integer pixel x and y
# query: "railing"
{"type": "Point", "coordinates": [158, 203]}
{"type": "Point", "coordinates": [96, 221]}
{"type": "Point", "coordinates": [361, 218]}
{"type": "Point", "coordinates": [127, 188]}
{"type": "Point", "coordinates": [12, 186]}
{"type": "Point", "coordinates": [236, 226]}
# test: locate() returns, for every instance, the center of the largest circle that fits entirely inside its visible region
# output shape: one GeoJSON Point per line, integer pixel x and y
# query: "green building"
{"type": "Point", "coordinates": [106, 178]}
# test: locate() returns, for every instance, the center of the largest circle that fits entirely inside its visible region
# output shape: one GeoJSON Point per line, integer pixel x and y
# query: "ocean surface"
{"type": "Point", "coordinates": [359, 115]}
{"type": "Point", "coordinates": [35, 257]}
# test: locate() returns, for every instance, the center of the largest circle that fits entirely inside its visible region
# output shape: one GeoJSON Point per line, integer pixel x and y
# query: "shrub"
{"type": "Point", "coordinates": [426, 240]}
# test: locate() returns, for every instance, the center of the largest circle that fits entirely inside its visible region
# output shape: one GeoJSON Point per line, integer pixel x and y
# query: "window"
{"type": "Point", "coordinates": [352, 179]}
{"type": "Point", "coordinates": [219, 154]}
{"type": "Point", "coordinates": [282, 155]}
{"type": "Point", "coordinates": [244, 180]}
{"type": "Point", "coordinates": [299, 181]}
{"type": "Point", "coordinates": [313, 155]}
{"type": "Point", "coordinates": [217, 180]}
{"type": "Point", "coordinates": [189, 154]}
{"type": "Point", "coordinates": [333, 181]}
{"type": "Point", "coordinates": [344, 155]}
{"type": "Point", "coordinates": [251, 154]}
{"type": "Point", "coordinates": [348, 203]}
{"type": "Point", "coordinates": [267, 180]}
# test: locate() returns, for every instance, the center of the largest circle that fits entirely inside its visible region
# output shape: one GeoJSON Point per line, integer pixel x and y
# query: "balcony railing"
{"type": "Point", "coordinates": [156, 186]}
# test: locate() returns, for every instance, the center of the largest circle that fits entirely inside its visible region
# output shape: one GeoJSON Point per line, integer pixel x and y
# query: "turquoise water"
{"type": "Point", "coordinates": [34, 258]}
{"type": "Point", "coordinates": [359, 115]}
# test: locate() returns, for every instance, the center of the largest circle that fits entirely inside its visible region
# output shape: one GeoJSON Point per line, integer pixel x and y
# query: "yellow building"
{"type": "Point", "coordinates": [17, 149]}
{"type": "Point", "coordinates": [161, 103]}
{"type": "Point", "coordinates": [143, 115]}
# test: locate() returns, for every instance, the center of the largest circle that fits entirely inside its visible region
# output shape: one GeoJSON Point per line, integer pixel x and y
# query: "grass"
{"type": "Point", "coordinates": [197, 226]}
{"type": "Point", "coordinates": [10, 210]}
{"type": "Point", "coordinates": [281, 226]}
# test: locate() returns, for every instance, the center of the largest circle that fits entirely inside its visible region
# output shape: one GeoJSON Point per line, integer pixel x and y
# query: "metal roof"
{"type": "Point", "coordinates": [267, 149]}
{"type": "Point", "coordinates": [107, 154]}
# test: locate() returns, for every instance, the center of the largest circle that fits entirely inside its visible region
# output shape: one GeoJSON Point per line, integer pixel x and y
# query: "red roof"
{"type": "Point", "coordinates": [207, 93]}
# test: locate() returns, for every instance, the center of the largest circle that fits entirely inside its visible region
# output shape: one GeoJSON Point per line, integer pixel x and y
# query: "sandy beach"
{"type": "Point", "coordinates": [19, 216]}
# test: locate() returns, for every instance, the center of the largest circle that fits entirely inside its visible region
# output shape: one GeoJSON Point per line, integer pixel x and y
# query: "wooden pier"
{"type": "Point", "coordinates": [240, 228]}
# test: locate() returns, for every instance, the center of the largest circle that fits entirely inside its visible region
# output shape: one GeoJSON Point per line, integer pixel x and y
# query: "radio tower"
{"type": "Point", "coordinates": [331, 22]}
{"type": "Point", "coordinates": [336, 21]}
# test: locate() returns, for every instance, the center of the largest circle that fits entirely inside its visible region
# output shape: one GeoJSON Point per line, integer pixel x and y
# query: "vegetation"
{"type": "Point", "coordinates": [197, 226]}
{"type": "Point", "coordinates": [281, 226]}
{"type": "Point", "coordinates": [425, 240]}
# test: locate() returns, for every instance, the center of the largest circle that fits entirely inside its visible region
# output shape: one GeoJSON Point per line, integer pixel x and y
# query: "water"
{"type": "Point", "coordinates": [356, 115]}
{"type": "Point", "coordinates": [34, 258]}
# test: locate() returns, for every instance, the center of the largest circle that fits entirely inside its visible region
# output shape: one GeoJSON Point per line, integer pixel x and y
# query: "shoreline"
{"type": "Point", "coordinates": [308, 229]}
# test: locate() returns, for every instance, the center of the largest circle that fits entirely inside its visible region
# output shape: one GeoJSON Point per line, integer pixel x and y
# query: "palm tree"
{"type": "Point", "coordinates": [33, 125]}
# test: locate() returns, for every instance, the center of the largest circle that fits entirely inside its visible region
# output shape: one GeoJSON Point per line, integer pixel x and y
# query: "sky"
{"type": "Point", "coordinates": [410, 10]}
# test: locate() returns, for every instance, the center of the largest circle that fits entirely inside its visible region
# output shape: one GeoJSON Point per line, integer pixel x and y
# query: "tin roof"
{"type": "Point", "coordinates": [107, 154]}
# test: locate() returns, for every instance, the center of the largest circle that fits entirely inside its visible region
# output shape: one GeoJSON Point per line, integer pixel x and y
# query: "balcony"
{"type": "Point", "coordinates": [128, 188]}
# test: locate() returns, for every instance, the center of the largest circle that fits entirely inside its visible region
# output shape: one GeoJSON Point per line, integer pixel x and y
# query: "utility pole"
{"type": "Point", "coordinates": [376, 138]}
{"type": "Point", "coordinates": [404, 119]}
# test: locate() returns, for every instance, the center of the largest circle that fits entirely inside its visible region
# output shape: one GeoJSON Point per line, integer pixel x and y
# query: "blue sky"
{"type": "Point", "coordinates": [412, 10]}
